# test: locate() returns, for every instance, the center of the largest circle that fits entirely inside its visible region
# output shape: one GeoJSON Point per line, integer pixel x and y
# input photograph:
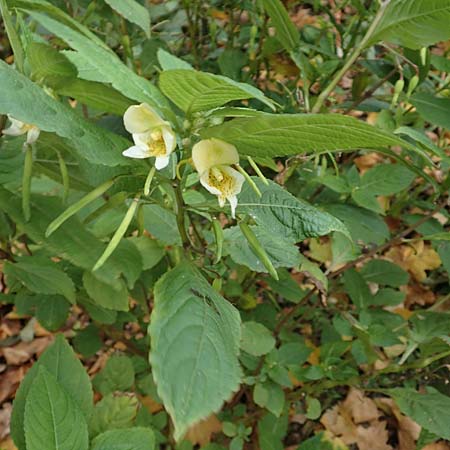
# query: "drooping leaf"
{"type": "Point", "coordinates": [52, 419]}
{"type": "Point", "coordinates": [195, 336]}
{"type": "Point", "coordinates": [27, 102]}
{"type": "Point", "coordinates": [272, 135]}
{"type": "Point", "coordinates": [60, 360]}
{"type": "Point", "coordinates": [414, 24]}
{"type": "Point", "coordinates": [42, 276]}
{"type": "Point", "coordinates": [282, 214]}
{"type": "Point", "coordinates": [132, 11]}
{"type": "Point", "coordinates": [435, 110]}
{"type": "Point", "coordinates": [137, 438]}
{"type": "Point", "coordinates": [430, 410]}
{"type": "Point", "coordinates": [194, 91]}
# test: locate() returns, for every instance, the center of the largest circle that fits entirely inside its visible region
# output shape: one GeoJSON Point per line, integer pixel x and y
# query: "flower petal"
{"type": "Point", "coordinates": [32, 135]}
{"type": "Point", "coordinates": [233, 203]}
{"type": "Point", "coordinates": [136, 152]}
{"type": "Point", "coordinates": [141, 118]}
{"type": "Point", "coordinates": [213, 152]}
{"type": "Point", "coordinates": [204, 181]}
{"type": "Point", "coordinates": [16, 128]}
{"type": "Point", "coordinates": [161, 162]}
{"type": "Point", "coordinates": [170, 139]}
{"type": "Point", "coordinates": [238, 179]}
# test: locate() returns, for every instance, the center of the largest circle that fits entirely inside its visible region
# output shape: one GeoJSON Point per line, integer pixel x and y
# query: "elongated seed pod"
{"type": "Point", "coordinates": [218, 234]}
{"type": "Point", "coordinates": [26, 182]}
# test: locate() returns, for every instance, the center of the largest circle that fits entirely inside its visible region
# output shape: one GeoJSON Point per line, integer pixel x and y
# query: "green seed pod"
{"type": "Point", "coordinates": [258, 249]}
{"type": "Point", "coordinates": [423, 55]}
{"type": "Point", "coordinates": [26, 182]}
{"type": "Point", "coordinates": [398, 88]}
{"type": "Point", "coordinates": [218, 234]}
{"type": "Point", "coordinates": [413, 82]}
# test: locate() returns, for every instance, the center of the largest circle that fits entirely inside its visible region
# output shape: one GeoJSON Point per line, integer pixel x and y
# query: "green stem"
{"type": "Point", "coordinates": [353, 57]}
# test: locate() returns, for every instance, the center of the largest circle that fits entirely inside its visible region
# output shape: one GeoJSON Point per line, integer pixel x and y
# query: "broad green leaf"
{"type": "Point", "coordinates": [269, 395]}
{"type": "Point", "coordinates": [271, 432]}
{"type": "Point", "coordinates": [281, 253]}
{"type": "Point", "coordinates": [52, 419]}
{"type": "Point", "coordinates": [52, 311]}
{"type": "Point", "coordinates": [357, 289]}
{"type": "Point", "coordinates": [113, 412]}
{"type": "Point", "coordinates": [49, 66]}
{"type": "Point", "coordinates": [60, 360]}
{"type": "Point", "coordinates": [422, 139]}
{"type": "Point", "coordinates": [81, 248]}
{"type": "Point", "coordinates": [132, 11]}
{"type": "Point", "coordinates": [168, 61]}
{"type": "Point", "coordinates": [137, 438]}
{"type": "Point", "coordinates": [427, 325]}
{"type": "Point", "coordinates": [150, 250]}
{"type": "Point", "coordinates": [282, 214]}
{"type": "Point", "coordinates": [386, 179]}
{"type": "Point", "coordinates": [256, 339]}
{"type": "Point", "coordinates": [117, 375]}
{"type": "Point", "coordinates": [106, 63]}
{"type": "Point", "coordinates": [96, 95]}
{"type": "Point", "coordinates": [162, 223]}
{"type": "Point", "coordinates": [385, 273]}
{"type": "Point", "coordinates": [105, 295]}
{"type": "Point", "coordinates": [286, 32]}
{"type": "Point", "coordinates": [194, 91]}
{"type": "Point", "coordinates": [435, 110]}
{"type": "Point", "coordinates": [414, 24]}
{"type": "Point", "coordinates": [195, 335]}
{"type": "Point", "coordinates": [430, 410]}
{"type": "Point", "coordinates": [42, 276]}
{"type": "Point", "coordinates": [87, 341]}
{"type": "Point", "coordinates": [289, 134]}
{"type": "Point", "coordinates": [27, 102]}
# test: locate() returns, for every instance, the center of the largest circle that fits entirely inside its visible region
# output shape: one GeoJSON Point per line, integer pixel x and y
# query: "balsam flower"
{"type": "Point", "coordinates": [212, 159]}
{"type": "Point", "coordinates": [152, 136]}
{"type": "Point", "coordinates": [17, 128]}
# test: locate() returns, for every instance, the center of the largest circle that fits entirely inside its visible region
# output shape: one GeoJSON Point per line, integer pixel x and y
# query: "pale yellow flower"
{"type": "Point", "coordinates": [17, 128]}
{"type": "Point", "coordinates": [213, 159]}
{"type": "Point", "coordinates": [152, 136]}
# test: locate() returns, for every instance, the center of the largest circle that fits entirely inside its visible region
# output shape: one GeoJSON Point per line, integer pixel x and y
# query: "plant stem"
{"type": "Point", "coordinates": [353, 57]}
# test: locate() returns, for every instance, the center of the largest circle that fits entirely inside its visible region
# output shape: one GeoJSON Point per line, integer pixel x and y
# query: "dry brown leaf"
{"type": "Point", "coordinates": [437, 446]}
{"type": "Point", "coordinates": [202, 432]}
{"type": "Point", "coordinates": [416, 258]}
{"type": "Point", "coordinates": [24, 351]}
{"type": "Point", "coordinates": [5, 416]}
{"type": "Point", "coordinates": [152, 405]}
{"type": "Point", "coordinates": [417, 294]}
{"type": "Point", "coordinates": [10, 380]}
{"type": "Point", "coordinates": [7, 444]}
{"type": "Point", "coordinates": [366, 162]}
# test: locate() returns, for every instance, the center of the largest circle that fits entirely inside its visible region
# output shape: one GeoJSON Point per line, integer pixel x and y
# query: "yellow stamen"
{"type": "Point", "coordinates": [220, 180]}
{"type": "Point", "coordinates": [156, 144]}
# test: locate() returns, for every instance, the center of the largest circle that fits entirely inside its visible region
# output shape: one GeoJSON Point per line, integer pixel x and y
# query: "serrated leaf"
{"type": "Point", "coordinates": [256, 340]}
{"type": "Point", "coordinates": [52, 419]}
{"type": "Point", "coordinates": [194, 91]}
{"type": "Point", "coordinates": [42, 276]}
{"type": "Point", "coordinates": [132, 11]}
{"type": "Point", "coordinates": [113, 412]}
{"type": "Point", "coordinates": [110, 68]}
{"type": "Point", "coordinates": [117, 375]}
{"type": "Point", "coordinates": [435, 110]}
{"type": "Point", "coordinates": [271, 135]}
{"type": "Point", "coordinates": [27, 102]}
{"type": "Point", "coordinates": [60, 360]}
{"type": "Point", "coordinates": [414, 24]}
{"type": "Point", "coordinates": [281, 253]}
{"type": "Point", "coordinates": [430, 410]}
{"type": "Point", "coordinates": [137, 438]}
{"type": "Point", "coordinates": [195, 336]}
{"type": "Point", "coordinates": [283, 214]}
{"type": "Point", "coordinates": [286, 32]}
{"type": "Point", "coordinates": [162, 223]}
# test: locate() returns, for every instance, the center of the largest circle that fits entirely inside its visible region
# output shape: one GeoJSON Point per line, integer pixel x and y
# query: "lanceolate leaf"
{"type": "Point", "coordinates": [194, 91]}
{"type": "Point", "coordinates": [195, 336]}
{"type": "Point", "coordinates": [414, 24]}
{"type": "Point", "coordinates": [132, 11]}
{"type": "Point", "coordinates": [52, 419]}
{"type": "Point", "coordinates": [289, 134]}
{"type": "Point", "coordinates": [27, 102]}
{"type": "Point", "coordinates": [284, 215]}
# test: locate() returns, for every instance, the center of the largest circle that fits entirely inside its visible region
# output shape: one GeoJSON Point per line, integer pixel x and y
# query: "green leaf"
{"type": "Point", "coordinates": [52, 311]}
{"type": "Point", "coordinates": [133, 11]}
{"type": "Point", "coordinates": [137, 438]}
{"type": "Point", "coordinates": [195, 335]}
{"type": "Point", "coordinates": [194, 91]}
{"type": "Point", "coordinates": [323, 441]}
{"type": "Point", "coordinates": [60, 360]}
{"type": "Point", "coordinates": [105, 295]}
{"type": "Point", "coordinates": [117, 375]}
{"type": "Point", "coordinates": [27, 102]}
{"type": "Point", "coordinates": [280, 252]}
{"type": "Point", "coordinates": [285, 215]}
{"type": "Point", "coordinates": [168, 61]}
{"type": "Point", "coordinates": [271, 432]}
{"type": "Point", "coordinates": [357, 289]}
{"type": "Point", "coordinates": [385, 273]}
{"type": "Point", "coordinates": [414, 24]}
{"type": "Point", "coordinates": [435, 110]}
{"type": "Point", "coordinates": [269, 395]}
{"type": "Point", "coordinates": [256, 339]}
{"type": "Point", "coordinates": [162, 223]}
{"type": "Point", "coordinates": [87, 341]}
{"type": "Point", "coordinates": [49, 65]}
{"type": "Point", "coordinates": [272, 135]}
{"type": "Point", "coordinates": [150, 250]}
{"type": "Point", "coordinates": [113, 412]}
{"type": "Point", "coordinates": [430, 410]}
{"type": "Point", "coordinates": [41, 276]}
{"type": "Point", "coordinates": [52, 419]}
{"type": "Point", "coordinates": [109, 68]}
{"type": "Point", "coordinates": [286, 32]}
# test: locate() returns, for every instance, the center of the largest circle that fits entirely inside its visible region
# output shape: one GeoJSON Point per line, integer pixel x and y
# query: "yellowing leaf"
{"type": "Point", "coordinates": [202, 432]}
